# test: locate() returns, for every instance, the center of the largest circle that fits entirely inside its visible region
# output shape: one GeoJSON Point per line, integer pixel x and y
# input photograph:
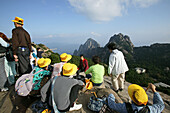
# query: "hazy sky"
{"type": "Point", "coordinates": [74, 21]}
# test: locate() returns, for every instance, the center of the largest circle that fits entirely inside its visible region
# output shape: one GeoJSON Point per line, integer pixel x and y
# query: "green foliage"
{"type": "Point", "coordinates": [42, 46]}
{"type": "Point", "coordinates": [55, 58]}
{"type": "Point", "coordinates": [75, 60]}
{"type": "Point", "coordinates": [140, 79]}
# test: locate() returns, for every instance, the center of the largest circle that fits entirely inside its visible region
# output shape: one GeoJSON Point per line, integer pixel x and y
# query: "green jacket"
{"type": "Point", "coordinates": [97, 71]}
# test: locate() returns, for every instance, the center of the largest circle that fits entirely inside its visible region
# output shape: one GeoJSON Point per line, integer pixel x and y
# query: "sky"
{"type": "Point", "coordinates": [65, 24]}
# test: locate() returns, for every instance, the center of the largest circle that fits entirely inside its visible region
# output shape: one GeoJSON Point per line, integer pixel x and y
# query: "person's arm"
{"type": "Point", "coordinates": [158, 104]}
{"type": "Point", "coordinates": [29, 42]}
{"type": "Point", "coordinates": [88, 71]}
{"type": "Point", "coordinates": [14, 42]}
{"type": "Point", "coordinates": [111, 64]}
{"type": "Point", "coordinates": [121, 108]}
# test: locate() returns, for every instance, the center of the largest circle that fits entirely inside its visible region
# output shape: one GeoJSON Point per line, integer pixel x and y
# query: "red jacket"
{"type": "Point", "coordinates": [83, 66]}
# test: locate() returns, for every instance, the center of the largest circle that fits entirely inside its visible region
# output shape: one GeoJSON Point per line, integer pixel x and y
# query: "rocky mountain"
{"type": "Point", "coordinates": [91, 47]}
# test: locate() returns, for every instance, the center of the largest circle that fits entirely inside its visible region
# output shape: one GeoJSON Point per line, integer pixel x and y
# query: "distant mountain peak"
{"type": "Point", "coordinates": [88, 45]}
{"type": "Point", "coordinates": [90, 39]}
{"type": "Point", "coordinates": [91, 43]}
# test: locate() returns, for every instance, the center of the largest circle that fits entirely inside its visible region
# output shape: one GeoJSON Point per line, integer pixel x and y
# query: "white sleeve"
{"type": "Point", "coordinates": [111, 63]}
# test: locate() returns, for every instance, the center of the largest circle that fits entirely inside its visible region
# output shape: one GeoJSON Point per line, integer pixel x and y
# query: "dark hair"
{"type": "Point", "coordinates": [81, 55]}
{"type": "Point", "coordinates": [96, 59]}
{"type": "Point", "coordinates": [112, 46]}
{"type": "Point", "coordinates": [38, 48]}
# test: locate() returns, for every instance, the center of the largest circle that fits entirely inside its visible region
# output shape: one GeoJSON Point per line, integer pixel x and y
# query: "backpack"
{"type": "Point", "coordinates": [99, 105]}
{"type": "Point", "coordinates": [145, 109]}
{"type": "Point", "coordinates": [24, 84]}
{"type": "Point", "coordinates": [57, 69]}
{"type": "Point", "coordinates": [38, 77]}
{"type": "Point", "coordinates": [9, 54]}
{"type": "Point", "coordinates": [2, 49]}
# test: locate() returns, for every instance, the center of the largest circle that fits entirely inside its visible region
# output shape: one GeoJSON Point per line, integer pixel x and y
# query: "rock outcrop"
{"type": "Point", "coordinates": [7, 100]}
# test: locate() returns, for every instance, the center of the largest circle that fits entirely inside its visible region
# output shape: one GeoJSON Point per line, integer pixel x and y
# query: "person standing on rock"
{"type": "Point", "coordinates": [21, 44]}
{"type": "Point", "coordinates": [117, 67]}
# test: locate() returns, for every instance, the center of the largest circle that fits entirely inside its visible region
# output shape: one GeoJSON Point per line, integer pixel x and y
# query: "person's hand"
{"type": "Point", "coordinates": [152, 87]}
{"type": "Point", "coordinates": [16, 58]}
{"type": "Point", "coordinates": [30, 56]}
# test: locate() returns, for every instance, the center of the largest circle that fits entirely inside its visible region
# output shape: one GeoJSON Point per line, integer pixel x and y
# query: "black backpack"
{"type": "Point", "coordinates": [2, 49]}
{"type": "Point", "coordinates": [9, 54]}
{"type": "Point", "coordinates": [145, 109]}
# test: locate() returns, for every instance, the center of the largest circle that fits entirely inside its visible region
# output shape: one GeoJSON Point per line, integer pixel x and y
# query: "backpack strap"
{"type": "Point", "coordinates": [52, 95]}
{"type": "Point", "coordinates": [129, 107]}
{"type": "Point", "coordinates": [32, 72]}
{"type": "Point", "coordinates": [145, 109]}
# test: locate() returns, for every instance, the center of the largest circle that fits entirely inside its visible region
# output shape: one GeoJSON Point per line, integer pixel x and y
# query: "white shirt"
{"type": "Point", "coordinates": [117, 63]}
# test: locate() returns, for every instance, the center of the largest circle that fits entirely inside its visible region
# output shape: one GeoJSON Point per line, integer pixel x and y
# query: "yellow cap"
{"type": "Point", "coordinates": [137, 94]}
{"type": "Point", "coordinates": [43, 62]}
{"type": "Point", "coordinates": [69, 69]}
{"type": "Point", "coordinates": [18, 20]}
{"type": "Point", "coordinates": [65, 57]}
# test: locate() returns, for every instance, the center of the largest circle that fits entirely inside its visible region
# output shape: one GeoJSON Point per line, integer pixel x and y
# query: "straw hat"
{"type": "Point", "coordinates": [65, 57]}
{"type": "Point", "coordinates": [137, 94]}
{"type": "Point", "coordinates": [18, 20]}
{"type": "Point", "coordinates": [43, 62]}
{"type": "Point", "coordinates": [69, 69]}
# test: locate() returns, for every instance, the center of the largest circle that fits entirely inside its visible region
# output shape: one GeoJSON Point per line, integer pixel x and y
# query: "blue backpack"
{"type": "Point", "coordinates": [38, 77]}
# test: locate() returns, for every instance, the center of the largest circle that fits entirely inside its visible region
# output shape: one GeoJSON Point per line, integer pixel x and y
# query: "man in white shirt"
{"type": "Point", "coordinates": [117, 67]}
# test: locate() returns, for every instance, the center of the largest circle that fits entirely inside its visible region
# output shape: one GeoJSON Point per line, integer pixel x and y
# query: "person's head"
{"type": "Point", "coordinates": [44, 62]}
{"type": "Point", "coordinates": [65, 57]}
{"type": "Point", "coordinates": [38, 49]}
{"type": "Point", "coordinates": [81, 57]}
{"type": "Point", "coordinates": [96, 59]}
{"type": "Point", "coordinates": [111, 46]}
{"type": "Point", "coordinates": [18, 22]}
{"type": "Point", "coordinates": [137, 94]}
{"type": "Point", "coordinates": [4, 37]}
{"type": "Point", "coordinates": [69, 69]}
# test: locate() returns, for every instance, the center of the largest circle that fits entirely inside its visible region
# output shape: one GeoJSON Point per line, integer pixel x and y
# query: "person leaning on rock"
{"type": "Point", "coordinates": [21, 44]}
{"type": "Point", "coordinates": [117, 67]}
{"type": "Point", "coordinates": [139, 101]}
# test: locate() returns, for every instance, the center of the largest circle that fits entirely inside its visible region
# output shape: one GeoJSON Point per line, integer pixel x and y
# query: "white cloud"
{"type": "Point", "coordinates": [106, 10]}
{"type": "Point", "coordinates": [62, 35]}
{"type": "Point", "coordinates": [98, 10]}
{"type": "Point", "coordinates": [95, 34]}
{"type": "Point", "coordinates": [144, 3]}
